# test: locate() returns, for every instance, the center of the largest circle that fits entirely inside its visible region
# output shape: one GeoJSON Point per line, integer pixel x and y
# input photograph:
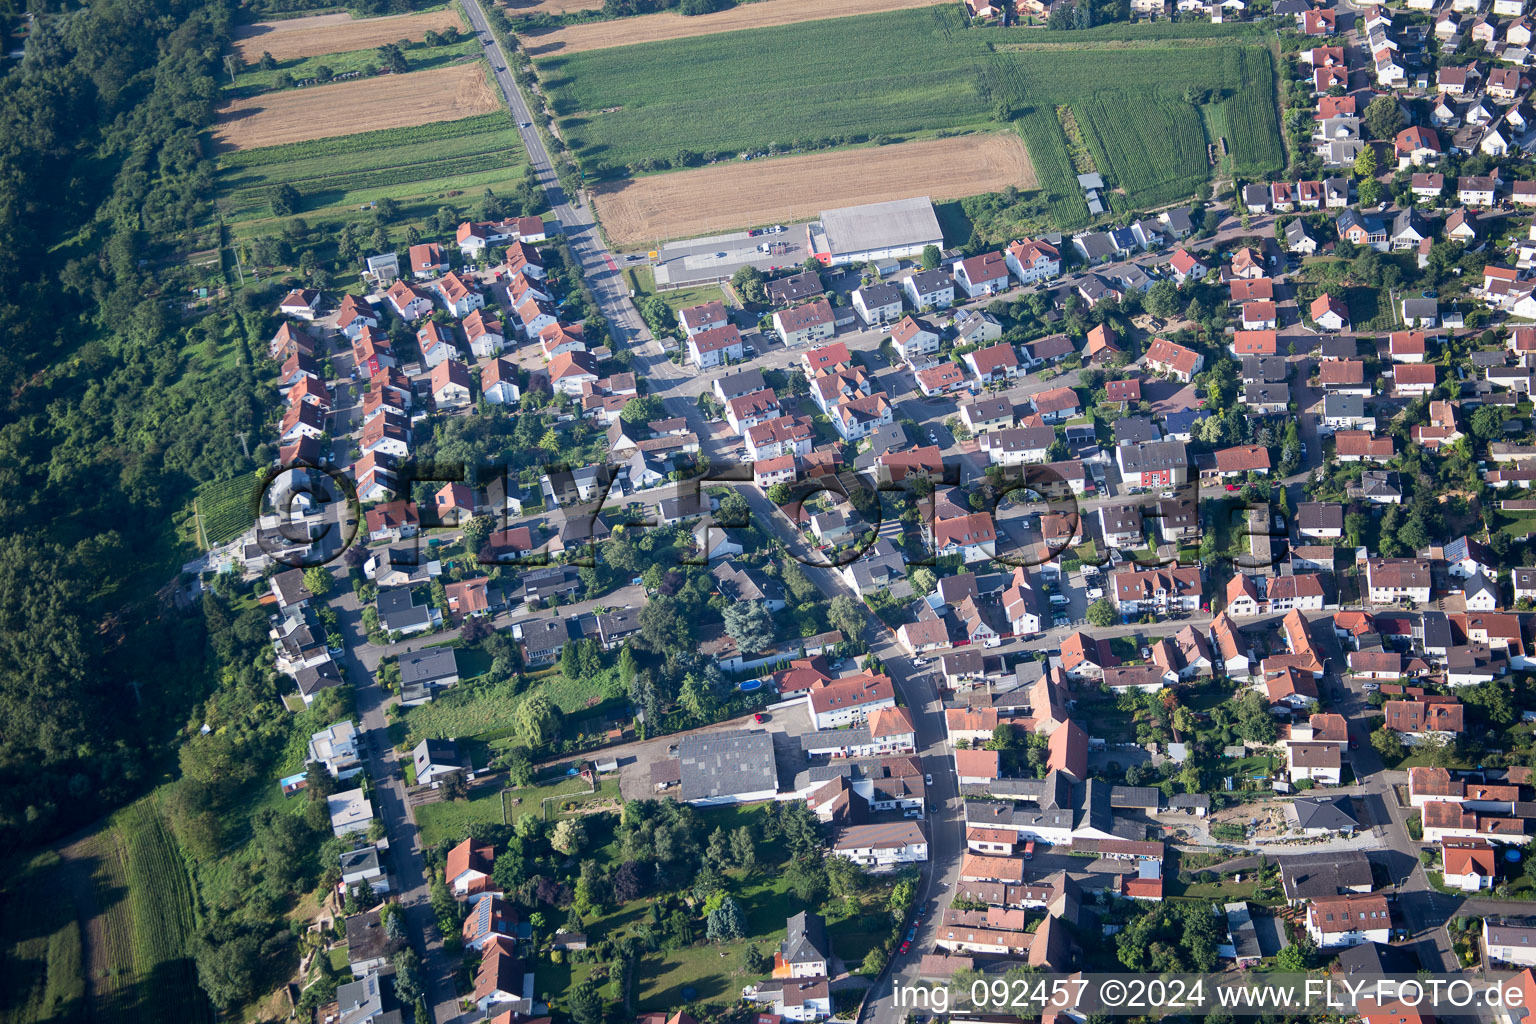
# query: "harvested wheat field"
{"type": "Point", "coordinates": [551, 6]}
{"type": "Point", "coordinates": [363, 105]}
{"type": "Point", "coordinates": [737, 195]}
{"type": "Point", "coordinates": [336, 33]}
{"type": "Point", "coordinates": [651, 28]}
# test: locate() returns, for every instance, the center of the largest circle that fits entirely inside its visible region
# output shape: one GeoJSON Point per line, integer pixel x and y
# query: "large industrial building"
{"type": "Point", "coordinates": [856, 234]}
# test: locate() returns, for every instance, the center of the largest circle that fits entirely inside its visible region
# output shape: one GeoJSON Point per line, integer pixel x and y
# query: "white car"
{"type": "Point", "coordinates": [1369, 687]}
{"type": "Point", "coordinates": [928, 780]}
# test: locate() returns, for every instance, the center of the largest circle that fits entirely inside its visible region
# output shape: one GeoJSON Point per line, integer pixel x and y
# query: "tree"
{"type": "Point", "coordinates": [780, 494]}
{"type": "Point", "coordinates": [1369, 192]}
{"type": "Point", "coordinates": [726, 922]}
{"type": "Point", "coordinates": [569, 836]}
{"type": "Point", "coordinates": [750, 625]}
{"type": "Point", "coordinates": [476, 531]}
{"type": "Point", "coordinates": [1162, 299]}
{"type": "Point", "coordinates": [753, 960]}
{"type": "Point", "coordinates": [1383, 117]}
{"type": "Point", "coordinates": [931, 257]}
{"type": "Point", "coordinates": [284, 200]}
{"type": "Point", "coordinates": [1102, 613]}
{"type": "Point", "coordinates": [1488, 422]}
{"type": "Point", "coordinates": [1389, 745]}
{"type": "Point", "coordinates": [923, 581]}
{"type": "Point", "coordinates": [743, 848]}
{"type": "Point", "coordinates": [519, 765]}
{"type": "Point", "coordinates": [642, 409]}
{"type": "Point", "coordinates": [585, 1003]}
{"type": "Point", "coordinates": [845, 614]}
{"type": "Point", "coordinates": [318, 580]}
{"type": "Point", "coordinates": [538, 720]}
{"type": "Point", "coordinates": [267, 62]}
{"type": "Point", "coordinates": [694, 697]}
{"type": "Point", "coordinates": [751, 284]}
{"type": "Point", "coordinates": [1365, 163]}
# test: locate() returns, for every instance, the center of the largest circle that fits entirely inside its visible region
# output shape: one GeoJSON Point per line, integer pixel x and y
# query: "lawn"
{"type": "Point", "coordinates": [450, 819]}
{"type": "Point", "coordinates": [489, 712]}
{"type": "Point", "coordinates": [1137, 99]}
{"type": "Point", "coordinates": [417, 167]}
{"type": "Point", "coordinates": [643, 281]}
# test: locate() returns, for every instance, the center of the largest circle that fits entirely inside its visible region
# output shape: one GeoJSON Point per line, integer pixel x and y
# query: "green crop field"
{"type": "Point", "coordinates": [1137, 92]}
{"type": "Point", "coordinates": [225, 509]}
{"type": "Point", "coordinates": [417, 167]}
{"type": "Point", "coordinates": [253, 80]}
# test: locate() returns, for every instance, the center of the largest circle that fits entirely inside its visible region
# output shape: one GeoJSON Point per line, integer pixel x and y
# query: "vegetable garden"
{"type": "Point", "coordinates": [224, 507]}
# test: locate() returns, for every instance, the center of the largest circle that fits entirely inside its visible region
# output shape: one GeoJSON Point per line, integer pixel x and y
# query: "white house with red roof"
{"type": "Point", "coordinates": [1033, 259]}
{"type": "Point", "coordinates": [498, 382]}
{"type": "Point", "coordinates": [408, 301]}
{"type": "Point", "coordinates": [427, 260]}
{"type": "Point", "coordinates": [1164, 356]}
{"type": "Point", "coordinates": [354, 315]}
{"type": "Point", "coordinates": [972, 537]}
{"type": "Point", "coordinates": [436, 343]}
{"type": "Point", "coordinates": [457, 295]}
{"type": "Point", "coordinates": [1186, 267]}
{"type": "Point", "coordinates": [570, 370]}
{"type": "Point", "coordinates": [986, 274]}
{"type": "Point", "coordinates": [995, 362]}
{"type": "Point", "coordinates": [450, 385]}
{"type": "Point", "coordinates": [1329, 312]}
{"type": "Point", "coordinates": [303, 303]}
{"type": "Point", "coordinates": [485, 334]}
{"type": "Point", "coordinates": [714, 346]}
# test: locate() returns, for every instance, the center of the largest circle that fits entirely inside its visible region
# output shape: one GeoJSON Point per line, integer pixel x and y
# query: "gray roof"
{"type": "Point", "coordinates": [1372, 959]}
{"type": "Point", "coordinates": [362, 859]}
{"type": "Point", "coordinates": [1267, 394]}
{"type": "Point", "coordinates": [741, 382]}
{"type": "Point", "coordinates": [722, 765]}
{"type": "Point", "coordinates": [805, 939]}
{"type": "Point", "coordinates": [367, 940]}
{"type": "Point", "coordinates": [429, 665]}
{"type": "Point", "coordinates": [882, 225]}
{"type": "Point", "coordinates": [1153, 455]}
{"type": "Point", "coordinates": [1090, 180]}
{"type": "Point", "coordinates": [926, 282]}
{"type": "Point", "coordinates": [314, 678]}
{"type": "Point", "coordinates": [1135, 430]}
{"type": "Point", "coordinates": [399, 609]}
{"type": "Point", "coordinates": [545, 634]}
{"type": "Point", "coordinates": [881, 293]}
{"type": "Point", "coordinates": [1245, 937]}
{"type": "Point", "coordinates": [1313, 875]}
{"type": "Point", "coordinates": [1420, 307]}
{"type": "Point", "coordinates": [1329, 812]}
{"type": "Point", "coordinates": [439, 753]}
{"type": "Point", "coordinates": [1264, 369]}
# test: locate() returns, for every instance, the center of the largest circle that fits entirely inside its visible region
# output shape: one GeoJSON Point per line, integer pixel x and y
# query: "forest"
{"type": "Point", "coordinates": [118, 402]}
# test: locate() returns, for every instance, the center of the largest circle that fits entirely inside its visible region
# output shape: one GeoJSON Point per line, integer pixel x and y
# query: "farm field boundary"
{"type": "Point", "coordinates": [619, 107]}
{"type": "Point", "coordinates": [794, 188]}
{"type": "Point", "coordinates": [342, 173]}
{"type": "Point", "coordinates": [326, 111]}
{"type": "Point", "coordinates": [651, 28]}
{"type": "Point", "coordinates": [552, 6]}
{"type": "Point", "coordinates": [336, 33]}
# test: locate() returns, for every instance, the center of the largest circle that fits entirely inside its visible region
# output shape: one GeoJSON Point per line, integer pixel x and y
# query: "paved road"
{"type": "Point", "coordinates": [408, 866]}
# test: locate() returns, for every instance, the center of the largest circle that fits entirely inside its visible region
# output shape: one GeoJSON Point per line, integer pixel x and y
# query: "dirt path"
{"type": "Point", "coordinates": [651, 28]}
{"type": "Point", "coordinates": [787, 189]}
{"type": "Point", "coordinates": [336, 33]}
